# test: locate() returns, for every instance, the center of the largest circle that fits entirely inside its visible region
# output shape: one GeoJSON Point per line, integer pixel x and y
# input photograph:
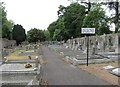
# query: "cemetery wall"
{"type": "Point", "coordinates": [98, 43]}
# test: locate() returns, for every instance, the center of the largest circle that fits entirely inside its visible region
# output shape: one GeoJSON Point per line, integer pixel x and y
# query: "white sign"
{"type": "Point", "coordinates": [88, 31]}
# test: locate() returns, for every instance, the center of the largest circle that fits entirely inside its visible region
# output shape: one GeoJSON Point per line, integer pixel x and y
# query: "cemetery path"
{"type": "Point", "coordinates": [56, 72]}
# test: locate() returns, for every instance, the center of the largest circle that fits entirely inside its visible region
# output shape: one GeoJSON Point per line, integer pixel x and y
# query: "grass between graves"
{"type": "Point", "coordinates": [98, 71]}
{"type": "Point", "coordinates": [15, 55]}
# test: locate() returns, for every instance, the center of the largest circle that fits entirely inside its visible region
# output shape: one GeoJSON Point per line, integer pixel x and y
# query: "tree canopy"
{"type": "Point", "coordinates": [18, 34]}
{"type": "Point", "coordinates": [111, 5]}
{"type": "Point", "coordinates": [76, 16]}
{"type": "Point", "coordinates": [69, 22]}
{"type": "Point", "coordinates": [51, 29]}
{"type": "Point", "coordinates": [35, 35]}
{"type": "Point", "coordinates": [47, 35]}
{"type": "Point", "coordinates": [73, 19]}
{"type": "Point", "coordinates": [7, 25]}
{"type": "Point", "coordinates": [97, 19]}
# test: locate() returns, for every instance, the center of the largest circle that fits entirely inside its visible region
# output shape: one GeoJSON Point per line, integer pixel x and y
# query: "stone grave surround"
{"type": "Point", "coordinates": [101, 43]}
{"type": "Point", "coordinates": [14, 72]}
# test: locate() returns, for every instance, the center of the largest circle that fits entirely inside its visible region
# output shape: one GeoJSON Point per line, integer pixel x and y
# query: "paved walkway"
{"type": "Point", "coordinates": [56, 72]}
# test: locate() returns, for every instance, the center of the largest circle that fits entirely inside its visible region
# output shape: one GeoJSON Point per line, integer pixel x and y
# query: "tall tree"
{"type": "Point", "coordinates": [73, 19]}
{"type": "Point", "coordinates": [116, 7]}
{"type": "Point", "coordinates": [87, 3]}
{"type": "Point", "coordinates": [35, 35]}
{"type": "Point", "coordinates": [97, 19]}
{"type": "Point", "coordinates": [57, 35]}
{"type": "Point", "coordinates": [47, 35]}
{"type": "Point", "coordinates": [69, 22]}
{"type": "Point", "coordinates": [60, 32]}
{"type": "Point", "coordinates": [61, 10]}
{"type": "Point", "coordinates": [0, 20]}
{"type": "Point", "coordinates": [7, 25]}
{"type": "Point", "coordinates": [18, 34]}
{"type": "Point", "coordinates": [51, 28]}
{"type": "Point", "coordinates": [112, 5]}
{"type": "Point", "coordinates": [57, 29]}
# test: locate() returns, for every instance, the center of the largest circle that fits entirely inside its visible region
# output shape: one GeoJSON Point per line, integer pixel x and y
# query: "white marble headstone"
{"type": "Point", "coordinates": [116, 71]}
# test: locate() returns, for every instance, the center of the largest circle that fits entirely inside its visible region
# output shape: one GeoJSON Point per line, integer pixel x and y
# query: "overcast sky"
{"type": "Point", "coordinates": [33, 13]}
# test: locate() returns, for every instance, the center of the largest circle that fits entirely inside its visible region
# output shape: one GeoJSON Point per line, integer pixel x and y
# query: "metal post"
{"type": "Point", "coordinates": [88, 31]}
{"type": "Point", "coordinates": [87, 48]}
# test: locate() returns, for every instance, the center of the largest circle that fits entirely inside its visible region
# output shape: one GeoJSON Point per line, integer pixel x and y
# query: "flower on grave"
{"type": "Point", "coordinates": [28, 65]}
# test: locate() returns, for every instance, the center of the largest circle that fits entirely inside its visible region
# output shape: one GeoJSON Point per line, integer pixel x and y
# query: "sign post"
{"type": "Point", "coordinates": [87, 48]}
{"type": "Point", "coordinates": [87, 32]}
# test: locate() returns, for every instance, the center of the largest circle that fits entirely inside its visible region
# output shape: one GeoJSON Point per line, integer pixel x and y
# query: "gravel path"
{"type": "Point", "coordinates": [56, 72]}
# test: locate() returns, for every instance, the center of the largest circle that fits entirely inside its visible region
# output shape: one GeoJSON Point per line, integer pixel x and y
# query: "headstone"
{"type": "Point", "coordinates": [116, 44]}
{"type": "Point", "coordinates": [98, 46]}
{"type": "Point", "coordinates": [73, 45]}
{"type": "Point", "coordinates": [85, 50]}
{"type": "Point", "coordinates": [37, 61]}
{"type": "Point", "coordinates": [93, 51]}
{"type": "Point", "coordinates": [76, 45]}
{"type": "Point", "coordinates": [116, 71]}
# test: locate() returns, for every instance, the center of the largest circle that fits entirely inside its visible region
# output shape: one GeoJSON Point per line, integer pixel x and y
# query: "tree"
{"type": "Point", "coordinates": [57, 35]}
{"type": "Point", "coordinates": [7, 25]}
{"type": "Point", "coordinates": [61, 11]}
{"type": "Point", "coordinates": [87, 3]}
{"type": "Point", "coordinates": [47, 35]}
{"type": "Point", "coordinates": [51, 28]}
{"type": "Point", "coordinates": [0, 20]}
{"type": "Point", "coordinates": [35, 35]}
{"type": "Point", "coordinates": [18, 34]}
{"type": "Point", "coordinates": [97, 19]}
{"type": "Point", "coordinates": [7, 28]}
{"type": "Point", "coordinates": [60, 32]}
{"type": "Point", "coordinates": [112, 5]}
{"type": "Point", "coordinates": [115, 6]}
{"type": "Point", "coordinates": [57, 29]}
{"type": "Point", "coordinates": [73, 19]}
{"type": "Point", "coordinates": [69, 22]}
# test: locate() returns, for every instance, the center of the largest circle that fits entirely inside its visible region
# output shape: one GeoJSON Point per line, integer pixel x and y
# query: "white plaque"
{"type": "Point", "coordinates": [88, 31]}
